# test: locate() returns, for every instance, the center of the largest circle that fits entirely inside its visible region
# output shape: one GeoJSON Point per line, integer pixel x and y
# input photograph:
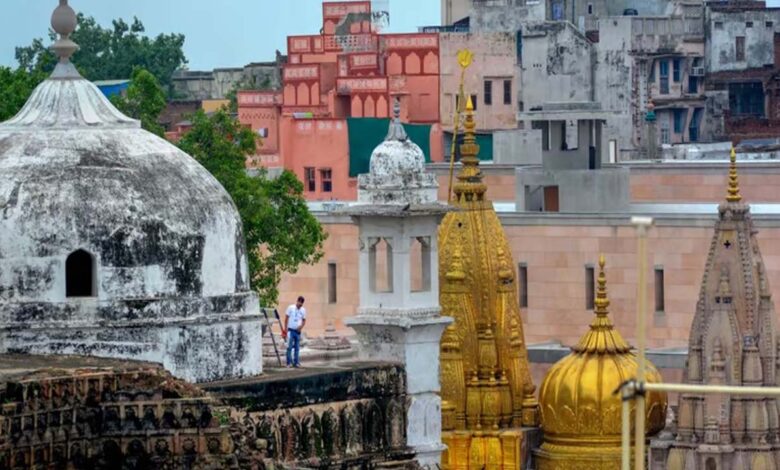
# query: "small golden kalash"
{"type": "Point", "coordinates": [488, 400]}
{"type": "Point", "coordinates": [581, 413]}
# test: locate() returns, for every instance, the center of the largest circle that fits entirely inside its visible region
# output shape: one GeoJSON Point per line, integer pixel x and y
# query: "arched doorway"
{"type": "Point", "coordinates": [80, 275]}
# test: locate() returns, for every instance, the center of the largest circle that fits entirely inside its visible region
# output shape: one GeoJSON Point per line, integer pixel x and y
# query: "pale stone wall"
{"type": "Point", "coordinates": [556, 251]}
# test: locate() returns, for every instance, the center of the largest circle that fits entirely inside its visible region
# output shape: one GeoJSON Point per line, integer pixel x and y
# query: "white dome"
{"type": "Point", "coordinates": [165, 240]}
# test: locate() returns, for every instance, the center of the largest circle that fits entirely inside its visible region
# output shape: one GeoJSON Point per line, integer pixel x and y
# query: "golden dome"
{"type": "Point", "coordinates": [581, 414]}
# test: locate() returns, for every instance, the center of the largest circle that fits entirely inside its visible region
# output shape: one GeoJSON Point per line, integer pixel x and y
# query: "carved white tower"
{"type": "Point", "coordinates": [399, 318]}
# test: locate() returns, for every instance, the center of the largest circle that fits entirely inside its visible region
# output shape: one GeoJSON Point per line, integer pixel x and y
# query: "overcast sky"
{"type": "Point", "coordinates": [219, 33]}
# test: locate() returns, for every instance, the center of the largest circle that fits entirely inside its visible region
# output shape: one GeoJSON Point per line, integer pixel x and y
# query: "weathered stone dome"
{"type": "Point", "coordinates": [113, 242]}
{"type": "Point", "coordinates": [397, 171]}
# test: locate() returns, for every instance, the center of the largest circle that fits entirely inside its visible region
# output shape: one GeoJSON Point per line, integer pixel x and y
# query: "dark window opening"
{"type": "Point", "coordinates": [679, 120]}
{"type": "Point", "coordinates": [327, 182]}
{"type": "Point", "coordinates": [590, 8]}
{"type": "Point", "coordinates": [693, 84]}
{"type": "Point", "coordinates": [718, 25]}
{"type": "Point", "coordinates": [474, 101]}
{"type": "Point", "coordinates": [519, 46]}
{"type": "Point", "coordinates": [740, 48]}
{"type": "Point", "coordinates": [659, 289]}
{"type": "Point", "coordinates": [523, 275]}
{"type": "Point", "coordinates": [693, 130]}
{"type": "Point", "coordinates": [507, 91]}
{"type": "Point", "coordinates": [80, 275]}
{"type": "Point", "coordinates": [748, 24]}
{"type": "Point", "coordinates": [310, 178]}
{"type": "Point", "coordinates": [746, 99]}
{"type": "Point", "coordinates": [488, 92]}
{"type": "Point", "coordinates": [769, 24]}
{"type": "Point", "coordinates": [590, 286]}
{"type": "Point", "coordinates": [332, 290]}
{"type": "Point", "coordinates": [663, 67]}
{"type": "Point", "coordinates": [676, 70]}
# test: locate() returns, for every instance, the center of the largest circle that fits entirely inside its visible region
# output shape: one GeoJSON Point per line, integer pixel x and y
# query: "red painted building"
{"type": "Point", "coordinates": [345, 78]}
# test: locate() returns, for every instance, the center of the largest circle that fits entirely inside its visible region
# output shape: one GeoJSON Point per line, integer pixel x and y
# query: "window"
{"type": "Point", "coordinates": [769, 24]}
{"type": "Point", "coordinates": [679, 120]}
{"type": "Point", "coordinates": [327, 182]}
{"type": "Point", "coordinates": [522, 270]}
{"type": "Point", "coordinates": [663, 67]}
{"type": "Point", "coordinates": [488, 97]}
{"type": "Point", "coordinates": [507, 91]}
{"type": "Point", "coordinates": [420, 264]}
{"type": "Point", "coordinates": [676, 70]}
{"type": "Point", "coordinates": [659, 289]}
{"type": "Point", "coordinates": [474, 101]}
{"type": "Point", "coordinates": [740, 47]}
{"type": "Point", "coordinates": [332, 289]}
{"type": "Point", "coordinates": [590, 293]}
{"type": "Point", "coordinates": [590, 8]}
{"type": "Point", "coordinates": [693, 85]}
{"type": "Point", "coordinates": [80, 275]}
{"type": "Point", "coordinates": [693, 129]}
{"type": "Point", "coordinates": [665, 134]}
{"type": "Point", "coordinates": [748, 24]}
{"type": "Point", "coordinates": [651, 75]}
{"type": "Point", "coordinates": [311, 181]}
{"type": "Point", "coordinates": [718, 25]}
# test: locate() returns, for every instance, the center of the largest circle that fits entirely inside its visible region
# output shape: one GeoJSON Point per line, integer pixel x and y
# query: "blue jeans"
{"type": "Point", "coordinates": [293, 344]}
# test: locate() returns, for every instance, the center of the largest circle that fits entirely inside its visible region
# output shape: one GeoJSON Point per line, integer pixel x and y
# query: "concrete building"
{"type": "Point", "coordinates": [334, 100]}
{"type": "Point", "coordinates": [216, 84]}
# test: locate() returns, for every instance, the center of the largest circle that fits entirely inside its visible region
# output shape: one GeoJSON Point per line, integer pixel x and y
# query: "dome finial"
{"type": "Point", "coordinates": [733, 190]}
{"type": "Point", "coordinates": [396, 131]}
{"type": "Point", "coordinates": [602, 300]}
{"type": "Point", "coordinates": [64, 22]}
{"type": "Point", "coordinates": [470, 181]}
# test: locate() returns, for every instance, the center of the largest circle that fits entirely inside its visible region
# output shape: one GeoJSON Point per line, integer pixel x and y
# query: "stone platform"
{"type": "Point", "coordinates": [83, 412]}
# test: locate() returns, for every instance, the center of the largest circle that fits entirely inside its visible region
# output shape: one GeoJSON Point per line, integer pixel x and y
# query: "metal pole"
{"type": "Point", "coordinates": [712, 389]}
{"type": "Point", "coordinates": [455, 125]}
{"type": "Point", "coordinates": [626, 394]}
{"type": "Point", "coordinates": [642, 224]}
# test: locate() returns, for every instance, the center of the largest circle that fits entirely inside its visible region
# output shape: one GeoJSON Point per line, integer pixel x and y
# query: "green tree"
{"type": "Point", "coordinates": [281, 233]}
{"type": "Point", "coordinates": [145, 101]}
{"type": "Point", "coordinates": [15, 88]}
{"type": "Point", "coordinates": [112, 53]}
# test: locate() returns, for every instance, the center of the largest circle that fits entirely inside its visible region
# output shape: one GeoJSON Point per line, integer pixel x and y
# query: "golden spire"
{"type": "Point", "coordinates": [733, 191]}
{"type": "Point", "coordinates": [469, 186]}
{"type": "Point", "coordinates": [602, 337]}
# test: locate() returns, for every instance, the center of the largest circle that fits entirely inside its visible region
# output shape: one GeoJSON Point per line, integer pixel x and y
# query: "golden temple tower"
{"type": "Point", "coordinates": [487, 391]}
{"type": "Point", "coordinates": [581, 414]}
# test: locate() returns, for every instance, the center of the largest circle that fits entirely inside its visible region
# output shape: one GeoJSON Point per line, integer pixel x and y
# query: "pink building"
{"type": "Point", "coordinates": [343, 79]}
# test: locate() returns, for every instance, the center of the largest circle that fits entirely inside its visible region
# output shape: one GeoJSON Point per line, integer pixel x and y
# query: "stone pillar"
{"type": "Point", "coordinates": [404, 325]}
{"type": "Point", "coordinates": [399, 320]}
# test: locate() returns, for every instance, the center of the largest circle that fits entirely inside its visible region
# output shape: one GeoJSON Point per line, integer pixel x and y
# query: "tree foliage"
{"type": "Point", "coordinates": [145, 101]}
{"type": "Point", "coordinates": [15, 88]}
{"type": "Point", "coordinates": [111, 53]}
{"type": "Point", "coordinates": [281, 233]}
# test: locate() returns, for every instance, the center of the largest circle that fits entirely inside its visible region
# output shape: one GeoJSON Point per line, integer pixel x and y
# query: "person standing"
{"type": "Point", "coordinates": [294, 321]}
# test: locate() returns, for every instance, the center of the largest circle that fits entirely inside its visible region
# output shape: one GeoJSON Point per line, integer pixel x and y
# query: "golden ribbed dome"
{"type": "Point", "coordinates": [581, 414]}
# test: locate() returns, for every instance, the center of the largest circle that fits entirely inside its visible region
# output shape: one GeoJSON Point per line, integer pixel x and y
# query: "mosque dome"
{"type": "Point", "coordinates": [397, 170]}
{"type": "Point", "coordinates": [581, 414]}
{"type": "Point", "coordinates": [113, 242]}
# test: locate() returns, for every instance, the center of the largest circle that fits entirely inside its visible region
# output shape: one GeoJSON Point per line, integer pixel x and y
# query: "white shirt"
{"type": "Point", "coordinates": [295, 317]}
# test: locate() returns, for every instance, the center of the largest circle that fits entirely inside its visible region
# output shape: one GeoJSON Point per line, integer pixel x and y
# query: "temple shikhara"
{"type": "Point", "coordinates": [733, 342]}
{"type": "Point", "coordinates": [529, 261]}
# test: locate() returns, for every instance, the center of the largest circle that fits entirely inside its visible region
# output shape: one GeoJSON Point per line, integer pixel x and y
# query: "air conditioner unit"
{"type": "Point", "coordinates": [697, 71]}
